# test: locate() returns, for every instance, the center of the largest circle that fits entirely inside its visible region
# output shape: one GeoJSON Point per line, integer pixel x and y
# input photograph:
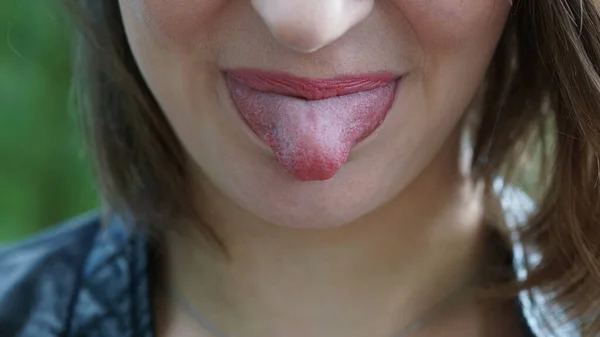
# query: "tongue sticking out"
{"type": "Point", "coordinates": [312, 139]}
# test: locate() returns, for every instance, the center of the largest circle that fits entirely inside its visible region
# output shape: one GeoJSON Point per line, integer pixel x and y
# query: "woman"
{"type": "Point", "coordinates": [327, 168]}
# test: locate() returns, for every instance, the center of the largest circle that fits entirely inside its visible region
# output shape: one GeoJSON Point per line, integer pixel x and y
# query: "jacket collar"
{"type": "Point", "coordinates": [113, 296]}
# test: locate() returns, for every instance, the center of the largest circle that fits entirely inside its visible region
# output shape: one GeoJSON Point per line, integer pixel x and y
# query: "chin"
{"type": "Point", "coordinates": [264, 192]}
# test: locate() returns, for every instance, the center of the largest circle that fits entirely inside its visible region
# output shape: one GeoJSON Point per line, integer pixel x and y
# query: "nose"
{"type": "Point", "coordinates": [309, 25]}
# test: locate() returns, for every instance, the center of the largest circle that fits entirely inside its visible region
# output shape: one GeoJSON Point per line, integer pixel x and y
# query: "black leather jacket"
{"type": "Point", "coordinates": [81, 279]}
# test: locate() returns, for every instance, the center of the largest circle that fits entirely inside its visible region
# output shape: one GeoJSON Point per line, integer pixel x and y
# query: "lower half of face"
{"type": "Point", "coordinates": [312, 113]}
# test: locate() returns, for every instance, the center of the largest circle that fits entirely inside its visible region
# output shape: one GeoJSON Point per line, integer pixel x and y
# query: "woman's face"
{"type": "Point", "coordinates": [312, 113]}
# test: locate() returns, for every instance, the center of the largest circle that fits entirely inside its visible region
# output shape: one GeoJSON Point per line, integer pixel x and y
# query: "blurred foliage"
{"type": "Point", "coordinates": [44, 176]}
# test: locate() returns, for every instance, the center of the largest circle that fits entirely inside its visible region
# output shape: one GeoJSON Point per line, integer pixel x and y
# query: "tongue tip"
{"type": "Point", "coordinates": [313, 166]}
{"type": "Point", "coordinates": [313, 170]}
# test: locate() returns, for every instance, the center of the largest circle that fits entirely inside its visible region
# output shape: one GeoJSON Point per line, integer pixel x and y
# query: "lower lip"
{"type": "Point", "coordinates": [311, 139]}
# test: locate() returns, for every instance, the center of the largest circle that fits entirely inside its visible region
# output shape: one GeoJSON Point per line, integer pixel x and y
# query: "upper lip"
{"type": "Point", "coordinates": [307, 88]}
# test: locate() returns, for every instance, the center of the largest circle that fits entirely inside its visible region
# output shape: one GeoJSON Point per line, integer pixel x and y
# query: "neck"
{"type": "Point", "coordinates": [371, 277]}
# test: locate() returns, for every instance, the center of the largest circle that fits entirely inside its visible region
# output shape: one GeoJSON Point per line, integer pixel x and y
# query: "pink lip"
{"type": "Point", "coordinates": [306, 88]}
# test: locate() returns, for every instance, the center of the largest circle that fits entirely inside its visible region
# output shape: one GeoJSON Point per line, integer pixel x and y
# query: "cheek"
{"type": "Point", "coordinates": [179, 20]}
{"type": "Point", "coordinates": [443, 24]}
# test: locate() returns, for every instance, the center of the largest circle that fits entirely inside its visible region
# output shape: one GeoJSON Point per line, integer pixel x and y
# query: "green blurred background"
{"type": "Point", "coordinates": [44, 174]}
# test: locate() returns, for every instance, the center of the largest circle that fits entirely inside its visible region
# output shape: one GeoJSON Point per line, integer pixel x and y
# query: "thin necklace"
{"type": "Point", "coordinates": [425, 319]}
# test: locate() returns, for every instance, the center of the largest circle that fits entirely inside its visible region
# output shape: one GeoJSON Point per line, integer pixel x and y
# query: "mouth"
{"type": "Point", "coordinates": [311, 124]}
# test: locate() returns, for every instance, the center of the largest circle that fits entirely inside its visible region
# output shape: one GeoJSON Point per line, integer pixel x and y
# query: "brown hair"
{"type": "Point", "coordinates": [541, 98]}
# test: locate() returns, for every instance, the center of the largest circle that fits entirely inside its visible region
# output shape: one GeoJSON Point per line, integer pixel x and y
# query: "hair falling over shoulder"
{"type": "Point", "coordinates": [541, 100]}
{"type": "Point", "coordinates": [544, 87]}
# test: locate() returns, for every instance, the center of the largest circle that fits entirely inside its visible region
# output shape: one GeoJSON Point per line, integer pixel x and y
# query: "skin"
{"type": "Point", "coordinates": [368, 251]}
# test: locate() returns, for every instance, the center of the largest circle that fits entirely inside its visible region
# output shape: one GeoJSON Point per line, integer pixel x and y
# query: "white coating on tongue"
{"type": "Point", "coordinates": [312, 139]}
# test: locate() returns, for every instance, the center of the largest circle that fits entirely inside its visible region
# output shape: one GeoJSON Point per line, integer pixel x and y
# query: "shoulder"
{"type": "Point", "coordinates": [40, 276]}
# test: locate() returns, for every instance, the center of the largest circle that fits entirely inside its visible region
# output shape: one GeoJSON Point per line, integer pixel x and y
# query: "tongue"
{"type": "Point", "coordinates": [312, 139]}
